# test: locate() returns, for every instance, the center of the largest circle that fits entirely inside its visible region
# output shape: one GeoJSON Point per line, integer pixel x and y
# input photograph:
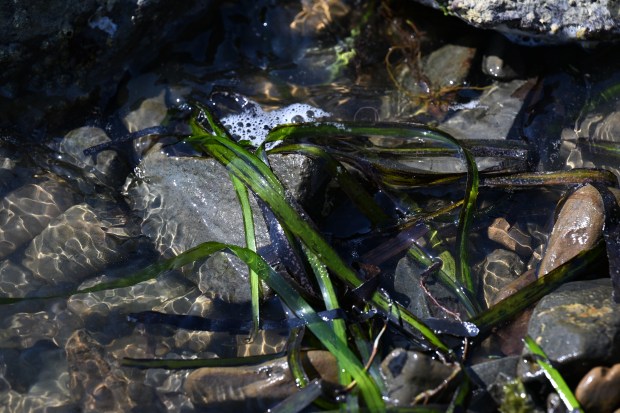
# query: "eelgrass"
{"type": "Point", "coordinates": [351, 148]}
{"type": "Point", "coordinates": [554, 376]}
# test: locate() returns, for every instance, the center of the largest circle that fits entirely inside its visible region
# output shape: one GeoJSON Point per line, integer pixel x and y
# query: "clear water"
{"type": "Point", "coordinates": [66, 222]}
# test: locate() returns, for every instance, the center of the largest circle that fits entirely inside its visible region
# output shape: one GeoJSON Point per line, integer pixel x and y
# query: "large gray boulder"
{"type": "Point", "coordinates": [539, 21]}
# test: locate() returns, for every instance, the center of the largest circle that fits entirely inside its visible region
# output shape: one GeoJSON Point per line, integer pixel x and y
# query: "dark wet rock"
{"type": "Point", "coordinates": [93, 381]}
{"type": "Point", "coordinates": [578, 227]}
{"type": "Point", "coordinates": [66, 53]}
{"type": "Point", "coordinates": [26, 211]}
{"type": "Point", "coordinates": [407, 374]}
{"type": "Point", "coordinates": [254, 388]}
{"type": "Point", "coordinates": [405, 287]}
{"type": "Point", "coordinates": [485, 373]}
{"type": "Point", "coordinates": [539, 22]}
{"type": "Point", "coordinates": [598, 390]}
{"type": "Point", "coordinates": [578, 327]}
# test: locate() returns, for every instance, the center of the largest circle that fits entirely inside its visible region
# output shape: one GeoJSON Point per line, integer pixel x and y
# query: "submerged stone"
{"type": "Point", "coordinates": [578, 327]}
{"type": "Point", "coordinates": [26, 211]}
{"type": "Point", "coordinates": [408, 374]}
{"type": "Point", "coordinates": [598, 390]}
{"type": "Point", "coordinates": [185, 201]}
{"type": "Point", "coordinates": [254, 388]}
{"type": "Point", "coordinates": [578, 227]}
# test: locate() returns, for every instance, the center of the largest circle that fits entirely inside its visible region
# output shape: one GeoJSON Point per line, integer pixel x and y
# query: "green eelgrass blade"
{"type": "Point", "coordinates": [250, 240]}
{"type": "Point", "coordinates": [512, 305]}
{"type": "Point", "coordinates": [175, 364]}
{"type": "Point", "coordinates": [331, 303]}
{"type": "Point", "coordinates": [414, 132]}
{"type": "Point", "coordinates": [561, 178]}
{"type": "Point", "coordinates": [259, 178]}
{"type": "Point", "coordinates": [554, 376]}
{"type": "Point", "coordinates": [321, 329]}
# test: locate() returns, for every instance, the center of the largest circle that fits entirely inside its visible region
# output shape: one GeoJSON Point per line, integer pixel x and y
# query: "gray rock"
{"type": "Point", "coordinates": [501, 61]}
{"type": "Point", "coordinates": [493, 115]}
{"type": "Point", "coordinates": [486, 373]}
{"type": "Point", "coordinates": [498, 269]}
{"type": "Point", "coordinates": [186, 201]}
{"type": "Point", "coordinates": [578, 327]}
{"type": "Point", "coordinates": [407, 374]}
{"type": "Point", "coordinates": [63, 53]}
{"type": "Point", "coordinates": [539, 21]}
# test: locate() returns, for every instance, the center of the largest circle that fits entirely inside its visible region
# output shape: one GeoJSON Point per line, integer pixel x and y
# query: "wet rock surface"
{"type": "Point", "coordinates": [539, 22]}
{"type": "Point", "coordinates": [578, 325]}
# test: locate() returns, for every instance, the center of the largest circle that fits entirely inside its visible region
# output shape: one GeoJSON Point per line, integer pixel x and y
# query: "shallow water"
{"type": "Point", "coordinates": [67, 221]}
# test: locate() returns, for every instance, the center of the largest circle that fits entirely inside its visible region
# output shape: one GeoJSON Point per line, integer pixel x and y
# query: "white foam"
{"type": "Point", "coordinates": [253, 124]}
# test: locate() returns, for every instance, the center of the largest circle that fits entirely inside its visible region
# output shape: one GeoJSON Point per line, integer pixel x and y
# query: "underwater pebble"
{"type": "Point", "coordinates": [106, 165]}
{"type": "Point", "coordinates": [578, 227]}
{"type": "Point", "coordinates": [78, 244]}
{"type": "Point", "coordinates": [92, 380]}
{"type": "Point", "coordinates": [409, 373]}
{"type": "Point", "coordinates": [599, 390]}
{"type": "Point", "coordinates": [254, 388]}
{"type": "Point", "coordinates": [27, 210]}
{"type": "Point", "coordinates": [578, 327]}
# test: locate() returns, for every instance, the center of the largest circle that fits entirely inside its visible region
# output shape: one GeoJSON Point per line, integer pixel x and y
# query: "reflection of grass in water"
{"type": "Point", "coordinates": [350, 145]}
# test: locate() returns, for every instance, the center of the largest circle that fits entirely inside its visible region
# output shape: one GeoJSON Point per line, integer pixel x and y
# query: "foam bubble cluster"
{"type": "Point", "coordinates": [253, 124]}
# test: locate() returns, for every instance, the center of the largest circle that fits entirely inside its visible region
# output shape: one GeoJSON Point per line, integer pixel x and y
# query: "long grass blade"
{"type": "Point", "coordinates": [250, 240]}
{"type": "Point", "coordinates": [554, 376]}
{"type": "Point", "coordinates": [259, 178]}
{"type": "Point", "coordinates": [176, 364]}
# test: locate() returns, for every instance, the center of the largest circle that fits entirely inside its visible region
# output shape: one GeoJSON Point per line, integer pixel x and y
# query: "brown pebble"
{"type": "Point", "coordinates": [578, 227]}
{"type": "Point", "coordinates": [599, 390]}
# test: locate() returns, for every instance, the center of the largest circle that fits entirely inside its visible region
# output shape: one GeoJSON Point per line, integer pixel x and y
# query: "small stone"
{"type": "Point", "coordinates": [511, 237]}
{"type": "Point", "coordinates": [578, 326]}
{"type": "Point", "coordinates": [598, 390]}
{"type": "Point", "coordinates": [26, 211]}
{"type": "Point", "coordinates": [106, 166]}
{"type": "Point", "coordinates": [254, 388]}
{"type": "Point", "coordinates": [499, 268]}
{"type": "Point", "coordinates": [407, 374]}
{"type": "Point", "coordinates": [92, 379]}
{"type": "Point", "coordinates": [578, 227]}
